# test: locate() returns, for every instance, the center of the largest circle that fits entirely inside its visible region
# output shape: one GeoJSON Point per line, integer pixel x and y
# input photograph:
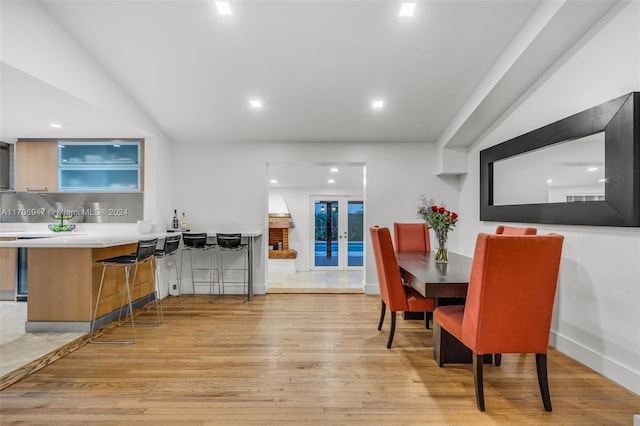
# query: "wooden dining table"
{"type": "Point", "coordinates": [446, 283]}
{"type": "Point", "coordinates": [435, 280]}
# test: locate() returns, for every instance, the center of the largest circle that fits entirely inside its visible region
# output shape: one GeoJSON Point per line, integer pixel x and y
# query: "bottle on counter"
{"type": "Point", "coordinates": [175, 223]}
{"type": "Point", "coordinates": [183, 222]}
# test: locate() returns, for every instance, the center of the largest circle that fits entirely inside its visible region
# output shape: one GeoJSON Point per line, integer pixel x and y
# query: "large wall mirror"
{"type": "Point", "coordinates": [581, 170]}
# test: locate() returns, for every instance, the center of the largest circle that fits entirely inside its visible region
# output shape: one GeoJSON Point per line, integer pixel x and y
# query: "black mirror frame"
{"type": "Point", "coordinates": [619, 119]}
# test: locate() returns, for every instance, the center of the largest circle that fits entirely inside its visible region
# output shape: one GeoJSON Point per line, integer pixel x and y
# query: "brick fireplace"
{"type": "Point", "coordinates": [279, 225]}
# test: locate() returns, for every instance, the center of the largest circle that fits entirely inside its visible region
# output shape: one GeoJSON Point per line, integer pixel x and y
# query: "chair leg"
{"type": "Point", "coordinates": [478, 360]}
{"type": "Point", "coordinates": [393, 329]}
{"type": "Point", "coordinates": [219, 271]}
{"type": "Point", "coordinates": [156, 289]}
{"type": "Point", "coordinates": [427, 316]}
{"type": "Point", "coordinates": [215, 258]}
{"type": "Point", "coordinates": [439, 346]}
{"type": "Point", "coordinates": [178, 279]}
{"type": "Point", "coordinates": [181, 273]}
{"type": "Point", "coordinates": [127, 285]}
{"type": "Point", "coordinates": [127, 271]}
{"type": "Point", "coordinates": [382, 311]}
{"type": "Point", "coordinates": [497, 359]}
{"type": "Point", "coordinates": [245, 271]}
{"type": "Point", "coordinates": [127, 292]}
{"type": "Point", "coordinates": [193, 284]}
{"type": "Point", "coordinates": [541, 367]}
{"type": "Point", "coordinates": [132, 283]}
{"type": "Point", "coordinates": [95, 311]}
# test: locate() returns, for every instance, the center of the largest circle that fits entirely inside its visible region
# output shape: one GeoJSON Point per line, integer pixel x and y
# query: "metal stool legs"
{"type": "Point", "coordinates": [127, 271]}
{"type": "Point", "coordinates": [144, 253]}
{"type": "Point", "coordinates": [156, 294]}
{"type": "Point", "coordinates": [193, 287]}
{"type": "Point", "coordinates": [212, 295]}
{"type": "Point", "coordinates": [194, 267]}
{"type": "Point", "coordinates": [221, 268]}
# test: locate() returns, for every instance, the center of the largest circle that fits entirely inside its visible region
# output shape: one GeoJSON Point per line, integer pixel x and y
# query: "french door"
{"type": "Point", "coordinates": [338, 233]}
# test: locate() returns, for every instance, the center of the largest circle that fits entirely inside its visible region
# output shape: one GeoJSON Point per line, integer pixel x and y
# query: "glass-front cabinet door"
{"type": "Point", "coordinates": [99, 166]}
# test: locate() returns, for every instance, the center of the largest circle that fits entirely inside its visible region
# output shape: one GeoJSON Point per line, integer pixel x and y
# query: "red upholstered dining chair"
{"type": "Point", "coordinates": [394, 295]}
{"type": "Point", "coordinates": [512, 230]}
{"type": "Point", "coordinates": [509, 303]}
{"type": "Point", "coordinates": [411, 237]}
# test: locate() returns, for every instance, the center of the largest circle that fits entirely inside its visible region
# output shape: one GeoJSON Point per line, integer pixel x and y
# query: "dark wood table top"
{"type": "Point", "coordinates": [435, 280]}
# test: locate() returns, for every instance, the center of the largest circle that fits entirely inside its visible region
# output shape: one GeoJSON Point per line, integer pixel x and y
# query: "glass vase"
{"type": "Point", "coordinates": [442, 253]}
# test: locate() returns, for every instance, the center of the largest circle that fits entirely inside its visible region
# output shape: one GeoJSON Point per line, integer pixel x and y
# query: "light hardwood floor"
{"type": "Point", "coordinates": [298, 359]}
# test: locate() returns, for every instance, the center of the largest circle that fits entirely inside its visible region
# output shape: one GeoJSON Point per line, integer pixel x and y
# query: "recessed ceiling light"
{"type": "Point", "coordinates": [331, 181]}
{"type": "Point", "coordinates": [406, 10]}
{"type": "Point", "coordinates": [274, 181]}
{"type": "Point", "coordinates": [549, 181]}
{"type": "Point", "coordinates": [55, 125]}
{"type": "Point", "coordinates": [255, 103]}
{"type": "Point", "coordinates": [224, 8]}
{"type": "Point", "coordinates": [592, 169]}
{"type": "Point", "coordinates": [602, 180]}
{"type": "Point", "coordinates": [377, 104]}
{"type": "Point", "coordinates": [334, 170]}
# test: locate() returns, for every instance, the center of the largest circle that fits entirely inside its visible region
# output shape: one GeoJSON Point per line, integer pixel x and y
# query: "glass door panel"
{"type": "Point", "coordinates": [326, 221]}
{"type": "Point", "coordinates": [338, 233]}
{"type": "Point", "coordinates": [355, 233]}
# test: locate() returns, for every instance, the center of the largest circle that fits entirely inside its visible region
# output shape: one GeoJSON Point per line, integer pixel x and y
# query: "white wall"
{"type": "Point", "coordinates": [225, 187]}
{"type": "Point", "coordinates": [597, 315]}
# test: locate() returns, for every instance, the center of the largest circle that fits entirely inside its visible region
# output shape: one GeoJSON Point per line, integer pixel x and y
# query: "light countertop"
{"type": "Point", "coordinates": [97, 236]}
{"type": "Point", "coordinates": [73, 239]}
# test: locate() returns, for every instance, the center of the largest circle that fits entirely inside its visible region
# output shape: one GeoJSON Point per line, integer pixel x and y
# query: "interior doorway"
{"type": "Point", "coordinates": [291, 189]}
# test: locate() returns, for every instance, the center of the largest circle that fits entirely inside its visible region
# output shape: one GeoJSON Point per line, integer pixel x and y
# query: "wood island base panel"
{"type": "Point", "coordinates": [64, 282]}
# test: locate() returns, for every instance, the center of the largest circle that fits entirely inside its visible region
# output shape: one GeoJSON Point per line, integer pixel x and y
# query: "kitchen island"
{"type": "Point", "coordinates": [64, 274]}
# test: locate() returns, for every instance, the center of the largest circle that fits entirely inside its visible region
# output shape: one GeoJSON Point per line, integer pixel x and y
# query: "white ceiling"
{"type": "Point", "coordinates": [346, 176]}
{"type": "Point", "coordinates": [447, 73]}
{"type": "Point", "coordinates": [317, 65]}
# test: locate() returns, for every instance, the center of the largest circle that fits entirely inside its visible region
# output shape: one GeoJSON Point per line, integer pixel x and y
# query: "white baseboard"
{"type": "Point", "coordinates": [608, 367]}
{"type": "Point", "coordinates": [286, 266]}
{"type": "Point", "coordinates": [259, 289]}
{"type": "Point", "coordinates": [370, 288]}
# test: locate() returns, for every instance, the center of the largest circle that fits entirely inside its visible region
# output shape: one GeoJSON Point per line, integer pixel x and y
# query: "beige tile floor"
{"type": "Point", "coordinates": [18, 348]}
{"type": "Point", "coordinates": [326, 279]}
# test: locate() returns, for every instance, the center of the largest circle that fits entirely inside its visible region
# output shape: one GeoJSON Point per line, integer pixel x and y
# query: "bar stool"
{"type": "Point", "coordinates": [144, 254]}
{"type": "Point", "coordinates": [171, 244]}
{"type": "Point", "coordinates": [193, 243]}
{"type": "Point", "coordinates": [232, 243]}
